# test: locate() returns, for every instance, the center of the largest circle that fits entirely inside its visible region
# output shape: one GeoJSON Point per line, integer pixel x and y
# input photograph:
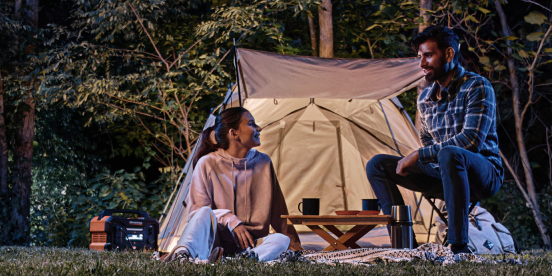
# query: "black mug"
{"type": "Point", "coordinates": [311, 206]}
{"type": "Point", "coordinates": [371, 205]}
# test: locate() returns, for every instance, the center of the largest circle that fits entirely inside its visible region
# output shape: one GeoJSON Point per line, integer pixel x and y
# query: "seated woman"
{"type": "Point", "coordinates": [234, 195]}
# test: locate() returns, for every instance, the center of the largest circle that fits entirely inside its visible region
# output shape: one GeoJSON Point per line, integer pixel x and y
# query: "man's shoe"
{"type": "Point", "coordinates": [216, 255]}
{"type": "Point", "coordinates": [460, 248]}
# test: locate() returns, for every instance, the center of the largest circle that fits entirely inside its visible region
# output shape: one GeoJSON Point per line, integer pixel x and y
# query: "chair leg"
{"type": "Point", "coordinates": [472, 206]}
{"type": "Point", "coordinates": [430, 226]}
{"type": "Point", "coordinates": [438, 212]}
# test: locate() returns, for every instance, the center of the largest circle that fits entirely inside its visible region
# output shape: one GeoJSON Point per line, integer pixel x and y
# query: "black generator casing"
{"type": "Point", "coordinates": [111, 232]}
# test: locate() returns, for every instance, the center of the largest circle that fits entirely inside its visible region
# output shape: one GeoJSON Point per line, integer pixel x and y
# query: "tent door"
{"type": "Point", "coordinates": [341, 168]}
{"type": "Point", "coordinates": [280, 142]}
{"type": "Point", "coordinates": [390, 130]}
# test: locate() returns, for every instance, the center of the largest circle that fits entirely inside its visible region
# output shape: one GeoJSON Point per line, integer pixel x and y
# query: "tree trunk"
{"type": "Point", "coordinates": [326, 29]}
{"type": "Point", "coordinates": [31, 16]}
{"type": "Point", "coordinates": [22, 180]}
{"type": "Point", "coordinates": [3, 148]}
{"type": "Point", "coordinates": [425, 5]}
{"type": "Point", "coordinates": [4, 188]}
{"type": "Point", "coordinates": [531, 191]}
{"type": "Point", "coordinates": [428, 5]}
{"type": "Point", "coordinates": [23, 154]}
{"type": "Point", "coordinates": [313, 36]}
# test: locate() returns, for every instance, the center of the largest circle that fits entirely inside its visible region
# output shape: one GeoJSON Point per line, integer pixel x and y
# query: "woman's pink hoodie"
{"type": "Point", "coordinates": [241, 191]}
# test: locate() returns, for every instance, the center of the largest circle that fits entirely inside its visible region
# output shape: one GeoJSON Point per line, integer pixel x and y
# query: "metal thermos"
{"type": "Point", "coordinates": [401, 227]}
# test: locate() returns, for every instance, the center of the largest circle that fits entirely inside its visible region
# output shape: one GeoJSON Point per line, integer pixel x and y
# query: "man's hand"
{"type": "Point", "coordinates": [242, 237]}
{"type": "Point", "coordinates": [409, 161]}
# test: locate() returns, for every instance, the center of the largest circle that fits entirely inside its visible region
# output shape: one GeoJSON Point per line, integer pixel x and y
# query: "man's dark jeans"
{"type": "Point", "coordinates": [462, 175]}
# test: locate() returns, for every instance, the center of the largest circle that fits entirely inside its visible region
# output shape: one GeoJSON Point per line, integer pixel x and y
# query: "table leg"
{"type": "Point", "coordinates": [334, 230]}
{"type": "Point", "coordinates": [350, 238]}
{"type": "Point", "coordinates": [356, 234]}
{"type": "Point", "coordinates": [334, 244]}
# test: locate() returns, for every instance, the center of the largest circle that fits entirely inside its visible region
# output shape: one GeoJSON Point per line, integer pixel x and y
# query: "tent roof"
{"type": "Point", "coordinates": [270, 75]}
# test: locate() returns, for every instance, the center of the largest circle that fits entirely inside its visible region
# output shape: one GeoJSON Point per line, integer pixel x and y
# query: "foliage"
{"type": "Point", "coordinates": [71, 182]}
{"type": "Point", "coordinates": [63, 261]}
{"type": "Point", "coordinates": [374, 28]}
{"type": "Point", "coordinates": [509, 208]}
{"type": "Point", "coordinates": [66, 157]}
{"type": "Point", "coordinates": [116, 72]}
{"type": "Point", "coordinates": [409, 101]}
{"type": "Point", "coordinates": [118, 190]}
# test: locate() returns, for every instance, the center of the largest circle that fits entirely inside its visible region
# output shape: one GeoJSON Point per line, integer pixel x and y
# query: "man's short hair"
{"type": "Point", "coordinates": [443, 36]}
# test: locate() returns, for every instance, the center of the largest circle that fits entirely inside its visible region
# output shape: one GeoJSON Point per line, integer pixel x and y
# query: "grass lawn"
{"type": "Point", "coordinates": [63, 261]}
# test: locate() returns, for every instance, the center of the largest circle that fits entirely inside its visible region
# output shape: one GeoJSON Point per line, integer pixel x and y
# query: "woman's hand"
{"type": "Point", "coordinates": [242, 237]}
{"type": "Point", "coordinates": [295, 246]}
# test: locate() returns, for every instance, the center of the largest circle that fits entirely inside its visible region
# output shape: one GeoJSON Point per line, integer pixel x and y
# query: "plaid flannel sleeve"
{"type": "Point", "coordinates": [479, 116]}
{"type": "Point", "coordinates": [425, 138]}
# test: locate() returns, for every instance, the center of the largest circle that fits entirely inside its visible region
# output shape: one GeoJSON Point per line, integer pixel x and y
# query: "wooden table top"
{"type": "Point", "coordinates": [335, 216]}
{"type": "Point", "coordinates": [337, 219]}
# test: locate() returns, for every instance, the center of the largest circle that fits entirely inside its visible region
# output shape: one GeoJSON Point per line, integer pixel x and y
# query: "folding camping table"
{"type": "Point", "coordinates": [362, 225]}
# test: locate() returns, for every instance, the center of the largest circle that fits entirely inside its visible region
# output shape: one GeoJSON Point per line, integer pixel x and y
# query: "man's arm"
{"type": "Point", "coordinates": [425, 137]}
{"type": "Point", "coordinates": [407, 162]}
{"type": "Point", "coordinates": [480, 111]}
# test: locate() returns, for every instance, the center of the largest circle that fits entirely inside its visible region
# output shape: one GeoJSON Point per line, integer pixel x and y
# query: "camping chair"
{"type": "Point", "coordinates": [431, 199]}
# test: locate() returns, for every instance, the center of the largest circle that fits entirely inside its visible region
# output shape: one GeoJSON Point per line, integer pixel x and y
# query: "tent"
{"type": "Point", "coordinates": [322, 120]}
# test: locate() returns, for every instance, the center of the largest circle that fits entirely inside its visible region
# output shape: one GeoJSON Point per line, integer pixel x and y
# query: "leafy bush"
{"type": "Point", "coordinates": [409, 101]}
{"type": "Point", "coordinates": [66, 156]}
{"type": "Point", "coordinates": [72, 184]}
{"type": "Point", "coordinates": [118, 190]}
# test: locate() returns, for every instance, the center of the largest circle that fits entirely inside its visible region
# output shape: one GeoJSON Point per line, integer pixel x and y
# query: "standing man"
{"type": "Point", "coordinates": [459, 156]}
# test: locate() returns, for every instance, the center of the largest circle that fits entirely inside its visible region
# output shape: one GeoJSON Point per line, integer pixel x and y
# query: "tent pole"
{"type": "Point", "coordinates": [236, 69]}
{"type": "Point", "coordinates": [390, 130]}
{"type": "Point", "coordinates": [163, 215]}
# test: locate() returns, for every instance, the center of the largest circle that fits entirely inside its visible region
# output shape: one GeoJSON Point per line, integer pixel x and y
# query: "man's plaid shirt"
{"type": "Point", "coordinates": [463, 117]}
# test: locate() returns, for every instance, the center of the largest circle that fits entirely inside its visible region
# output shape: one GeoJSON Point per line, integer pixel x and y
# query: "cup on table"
{"type": "Point", "coordinates": [371, 205]}
{"type": "Point", "coordinates": [311, 206]}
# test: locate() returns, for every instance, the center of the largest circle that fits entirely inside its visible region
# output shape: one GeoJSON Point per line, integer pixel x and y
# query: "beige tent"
{"type": "Point", "coordinates": [322, 120]}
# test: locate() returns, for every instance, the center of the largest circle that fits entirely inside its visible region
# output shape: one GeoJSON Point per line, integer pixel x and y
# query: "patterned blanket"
{"type": "Point", "coordinates": [434, 253]}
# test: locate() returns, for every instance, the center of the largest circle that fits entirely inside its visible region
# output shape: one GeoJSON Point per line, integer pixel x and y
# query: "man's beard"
{"type": "Point", "coordinates": [436, 72]}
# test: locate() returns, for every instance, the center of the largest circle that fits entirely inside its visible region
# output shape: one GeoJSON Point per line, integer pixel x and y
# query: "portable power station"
{"type": "Point", "coordinates": [111, 232]}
